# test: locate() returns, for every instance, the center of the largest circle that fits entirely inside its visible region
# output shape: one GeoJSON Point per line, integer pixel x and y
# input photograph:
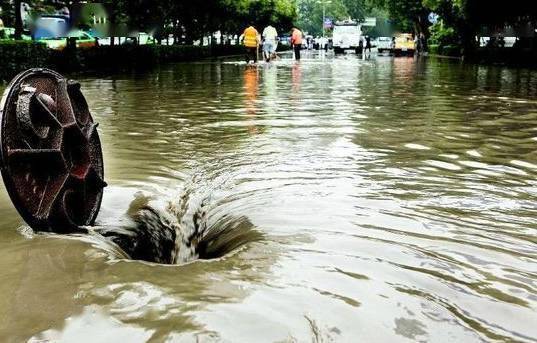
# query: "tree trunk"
{"type": "Point", "coordinates": [113, 26]}
{"type": "Point", "coordinates": [467, 33]}
{"type": "Point", "coordinates": [18, 20]}
{"type": "Point", "coordinates": [422, 25]}
{"type": "Point", "coordinates": [468, 41]}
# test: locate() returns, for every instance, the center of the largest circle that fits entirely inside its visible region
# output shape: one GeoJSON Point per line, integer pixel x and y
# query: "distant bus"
{"type": "Point", "coordinates": [347, 35]}
{"type": "Point", "coordinates": [51, 27]}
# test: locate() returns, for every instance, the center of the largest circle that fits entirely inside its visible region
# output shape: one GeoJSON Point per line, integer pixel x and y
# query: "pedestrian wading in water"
{"type": "Point", "coordinates": [296, 42]}
{"type": "Point", "coordinates": [250, 39]}
{"type": "Point", "coordinates": [270, 43]}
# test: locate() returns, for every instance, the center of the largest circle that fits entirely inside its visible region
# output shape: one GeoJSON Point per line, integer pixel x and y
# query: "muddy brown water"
{"type": "Point", "coordinates": [378, 200]}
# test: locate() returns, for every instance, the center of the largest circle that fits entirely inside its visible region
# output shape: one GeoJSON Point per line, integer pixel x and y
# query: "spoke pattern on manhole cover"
{"type": "Point", "coordinates": [52, 161]}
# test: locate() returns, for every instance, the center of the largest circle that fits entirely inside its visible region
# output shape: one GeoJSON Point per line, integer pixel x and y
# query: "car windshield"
{"type": "Point", "coordinates": [50, 28]}
{"type": "Point", "coordinates": [404, 38]}
{"type": "Point", "coordinates": [346, 29]}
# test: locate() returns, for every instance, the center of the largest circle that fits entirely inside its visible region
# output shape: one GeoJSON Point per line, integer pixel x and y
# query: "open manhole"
{"type": "Point", "coordinates": [52, 166]}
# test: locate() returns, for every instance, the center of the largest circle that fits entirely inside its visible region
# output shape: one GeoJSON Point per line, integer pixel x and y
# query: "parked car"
{"type": "Point", "coordinates": [404, 44]}
{"type": "Point", "coordinates": [83, 40]}
{"type": "Point", "coordinates": [145, 39]}
{"type": "Point", "coordinates": [384, 44]}
{"type": "Point", "coordinates": [508, 42]}
{"type": "Point", "coordinates": [285, 40]}
{"type": "Point", "coordinates": [142, 39]}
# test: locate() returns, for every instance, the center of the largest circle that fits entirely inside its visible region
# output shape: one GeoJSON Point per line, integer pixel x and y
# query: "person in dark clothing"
{"type": "Point", "coordinates": [368, 44]}
{"type": "Point", "coordinates": [360, 49]}
{"type": "Point", "coordinates": [422, 43]}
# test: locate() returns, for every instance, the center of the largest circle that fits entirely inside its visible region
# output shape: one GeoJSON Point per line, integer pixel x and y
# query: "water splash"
{"type": "Point", "coordinates": [179, 230]}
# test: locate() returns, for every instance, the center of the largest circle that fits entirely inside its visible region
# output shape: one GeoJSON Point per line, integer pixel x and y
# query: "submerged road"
{"type": "Point", "coordinates": [362, 200]}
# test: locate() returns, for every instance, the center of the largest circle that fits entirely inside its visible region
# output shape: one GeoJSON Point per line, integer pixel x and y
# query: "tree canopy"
{"type": "Point", "coordinates": [464, 18]}
{"type": "Point", "coordinates": [310, 12]}
{"type": "Point", "coordinates": [189, 19]}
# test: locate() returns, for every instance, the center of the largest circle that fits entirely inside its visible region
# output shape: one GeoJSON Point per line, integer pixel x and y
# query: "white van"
{"type": "Point", "coordinates": [347, 35]}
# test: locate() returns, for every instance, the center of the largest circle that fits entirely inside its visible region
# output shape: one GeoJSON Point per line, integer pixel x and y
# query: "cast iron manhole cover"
{"type": "Point", "coordinates": [51, 156]}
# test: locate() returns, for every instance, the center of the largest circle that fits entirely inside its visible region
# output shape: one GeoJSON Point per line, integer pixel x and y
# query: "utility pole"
{"type": "Point", "coordinates": [324, 17]}
{"type": "Point", "coordinates": [324, 2]}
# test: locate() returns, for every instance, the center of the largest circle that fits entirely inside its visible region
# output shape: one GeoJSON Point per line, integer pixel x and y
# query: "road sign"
{"type": "Point", "coordinates": [371, 21]}
{"type": "Point", "coordinates": [328, 23]}
{"type": "Point", "coordinates": [433, 18]}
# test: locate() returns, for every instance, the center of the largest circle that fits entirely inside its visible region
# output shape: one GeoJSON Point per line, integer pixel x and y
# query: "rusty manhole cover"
{"type": "Point", "coordinates": [51, 156]}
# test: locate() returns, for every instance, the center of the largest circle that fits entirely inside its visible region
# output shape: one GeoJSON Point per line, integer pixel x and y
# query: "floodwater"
{"type": "Point", "coordinates": [380, 200]}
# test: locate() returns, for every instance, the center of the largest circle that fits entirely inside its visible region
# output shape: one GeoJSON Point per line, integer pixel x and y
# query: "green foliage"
{"type": "Point", "coordinates": [125, 57]}
{"type": "Point", "coordinates": [448, 50]}
{"type": "Point", "coordinates": [451, 50]}
{"type": "Point", "coordinates": [310, 14]}
{"type": "Point", "coordinates": [443, 35]}
{"type": "Point", "coordinates": [360, 9]}
{"type": "Point", "coordinates": [194, 19]}
{"type": "Point", "coordinates": [434, 49]}
{"type": "Point", "coordinates": [407, 15]}
{"type": "Point", "coordinates": [7, 13]}
{"type": "Point", "coordinates": [20, 55]}
{"type": "Point", "coordinates": [188, 19]}
{"type": "Point", "coordinates": [462, 19]}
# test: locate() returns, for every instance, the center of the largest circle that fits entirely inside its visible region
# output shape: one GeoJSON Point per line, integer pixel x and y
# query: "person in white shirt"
{"type": "Point", "coordinates": [270, 41]}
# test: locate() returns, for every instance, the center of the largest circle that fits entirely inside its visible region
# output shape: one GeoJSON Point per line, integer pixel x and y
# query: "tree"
{"type": "Point", "coordinates": [18, 19]}
{"type": "Point", "coordinates": [188, 19]}
{"type": "Point", "coordinates": [310, 14]}
{"type": "Point", "coordinates": [359, 9]}
{"type": "Point", "coordinates": [467, 17]}
{"type": "Point", "coordinates": [7, 13]}
{"type": "Point", "coordinates": [408, 15]}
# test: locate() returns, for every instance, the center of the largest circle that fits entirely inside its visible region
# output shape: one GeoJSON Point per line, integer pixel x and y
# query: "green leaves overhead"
{"type": "Point", "coordinates": [196, 18]}
{"type": "Point", "coordinates": [310, 14]}
{"type": "Point", "coordinates": [188, 19]}
{"type": "Point", "coordinates": [461, 18]}
{"type": "Point", "coordinates": [456, 12]}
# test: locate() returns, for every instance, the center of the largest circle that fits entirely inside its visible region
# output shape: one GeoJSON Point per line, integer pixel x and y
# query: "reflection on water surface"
{"type": "Point", "coordinates": [390, 199]}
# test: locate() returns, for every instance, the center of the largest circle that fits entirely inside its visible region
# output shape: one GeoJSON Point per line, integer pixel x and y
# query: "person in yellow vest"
{"type": "Point", "coordinates": [250, 39]}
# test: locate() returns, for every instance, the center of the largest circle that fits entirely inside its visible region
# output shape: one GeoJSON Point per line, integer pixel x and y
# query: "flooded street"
{"type": "Point", "coordinates": [376, 200]}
